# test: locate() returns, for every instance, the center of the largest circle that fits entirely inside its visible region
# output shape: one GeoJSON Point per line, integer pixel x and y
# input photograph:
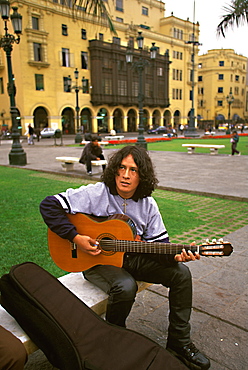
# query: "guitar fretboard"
{"type": "Point", "coordinates": [145, 247]}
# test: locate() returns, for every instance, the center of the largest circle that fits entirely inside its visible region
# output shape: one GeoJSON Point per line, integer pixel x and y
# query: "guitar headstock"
{"type": "Point", "coordinates": [215, 248]}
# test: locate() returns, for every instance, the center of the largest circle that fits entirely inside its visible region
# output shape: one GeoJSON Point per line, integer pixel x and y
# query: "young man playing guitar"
{"type": "Point", "coordinates": [126, 188]}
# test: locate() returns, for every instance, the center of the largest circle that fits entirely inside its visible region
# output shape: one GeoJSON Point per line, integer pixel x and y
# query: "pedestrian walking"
{"type": "Point", "coordinates": [234, 142]}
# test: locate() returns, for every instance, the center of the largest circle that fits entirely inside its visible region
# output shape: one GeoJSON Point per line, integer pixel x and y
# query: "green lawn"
{"type": "Point", "coordinates": [175, 145]}
{"type": "Point", "coordinates": [23, 234]}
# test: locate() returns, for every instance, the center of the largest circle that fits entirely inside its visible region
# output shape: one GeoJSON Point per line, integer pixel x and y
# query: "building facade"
{"type": "Point", "coordinates": [222, 80]}
{"type": "Point", "coordinates": [56, 41]}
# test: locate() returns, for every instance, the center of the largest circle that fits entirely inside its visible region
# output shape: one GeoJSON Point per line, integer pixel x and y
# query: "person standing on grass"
{"type": "Point", "coordinates": [234, 141]}
{"type": "Point", "coordinates": [125, 188]}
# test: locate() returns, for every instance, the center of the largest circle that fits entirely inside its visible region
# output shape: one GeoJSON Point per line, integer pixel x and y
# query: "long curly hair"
{"type": "Point", "coordinates": [148, 180]}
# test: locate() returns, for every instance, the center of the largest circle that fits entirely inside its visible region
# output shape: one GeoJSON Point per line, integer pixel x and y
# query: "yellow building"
{"type": "Point", "coordinates": [55, 41]}
{"type": "Point", "coordinates": [222, 86]}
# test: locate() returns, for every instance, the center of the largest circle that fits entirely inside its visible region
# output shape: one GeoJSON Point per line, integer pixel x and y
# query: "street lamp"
{"type": "Point", "coordinates": [230, 99]}
{"type": "Point", "coordinates": [77, 88]}
{"type": "Point", "coordinates": [17, 156]}
{"type": "Point", "coordinates": [139, 66]}
{"type": "Point", "coordinates": [191, 130]}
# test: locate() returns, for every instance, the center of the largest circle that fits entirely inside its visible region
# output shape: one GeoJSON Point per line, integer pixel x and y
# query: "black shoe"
{"type": "Point", "coordinates": [191, 356]}
{"type": "Point", "coordinates": [89, 173]}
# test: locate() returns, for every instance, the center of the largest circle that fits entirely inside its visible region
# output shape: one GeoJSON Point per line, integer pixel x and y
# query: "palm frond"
{"type": "Point", "coordinates": [96, 8]}
{"type": "Point", "coordinates": [236, 14]}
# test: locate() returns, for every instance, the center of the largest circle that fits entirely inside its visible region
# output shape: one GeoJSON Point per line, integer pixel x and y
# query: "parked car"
{"type": "Point", "coordinates": [157, 130]}
{"type": "Point", "coordinates": [47, 132]}
{"type": "Point", "coordinates": [223, 127]}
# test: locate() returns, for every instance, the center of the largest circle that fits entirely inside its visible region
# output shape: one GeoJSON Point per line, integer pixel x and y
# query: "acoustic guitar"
{"type": "Point", "coordinates": [116, 235]}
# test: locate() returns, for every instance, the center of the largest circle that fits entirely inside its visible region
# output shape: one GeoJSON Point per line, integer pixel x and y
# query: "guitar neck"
{"type": "Point", "coordinates": [145, 247]}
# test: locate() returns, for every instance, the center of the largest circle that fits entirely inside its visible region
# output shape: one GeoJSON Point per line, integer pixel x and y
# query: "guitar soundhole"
{"type": "Point", "coordinates": [106, 237]}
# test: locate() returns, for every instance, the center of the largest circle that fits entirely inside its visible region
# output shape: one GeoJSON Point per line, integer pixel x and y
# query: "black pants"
{"type": "Point", "coordinates": [120, 284]}
{"type": "Point", "coordinates": [234, 150]}
{"type": "Point", "coordinates": [88, 163]}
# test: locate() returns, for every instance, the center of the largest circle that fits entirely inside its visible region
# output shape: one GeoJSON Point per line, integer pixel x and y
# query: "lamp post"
{"type": "Point", "coordinates": [191, 130]}
{"type": "Point", "coordinates": [230, 99]}
{"type": "Point", "coordinates": [17, 156]}
{"type": "Point", "coordinates": [77, 88]}
{"type": "Point", "coordinates": [139, 66]}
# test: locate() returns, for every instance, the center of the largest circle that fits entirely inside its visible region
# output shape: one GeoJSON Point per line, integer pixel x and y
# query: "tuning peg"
{"type": "Point", "coordinates": [214, 241]}
{"type": "Point", "coordinates": [221, 240]}
{"type": "Point", "coordinates": [207, 241]}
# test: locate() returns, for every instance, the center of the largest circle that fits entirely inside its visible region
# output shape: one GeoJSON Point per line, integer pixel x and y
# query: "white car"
{"type": "Point", "coordinates": [47, 132]}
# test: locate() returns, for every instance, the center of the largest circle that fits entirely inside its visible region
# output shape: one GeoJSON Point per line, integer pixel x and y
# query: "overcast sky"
{"type": "Point", "coordinates": [208, 14]}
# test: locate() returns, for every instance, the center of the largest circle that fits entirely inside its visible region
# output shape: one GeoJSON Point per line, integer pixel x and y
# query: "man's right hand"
{"type": "Point", "coordinates": [87, 244]}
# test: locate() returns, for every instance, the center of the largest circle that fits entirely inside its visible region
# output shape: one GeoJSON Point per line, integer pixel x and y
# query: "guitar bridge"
{"type": "Point", "coordinates": [73, 250]}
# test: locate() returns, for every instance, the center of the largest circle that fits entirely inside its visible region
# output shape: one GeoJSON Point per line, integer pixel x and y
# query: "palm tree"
{"type": "Point", "coordinates": [94, 7]}
{"type": "Point", "coordinates": [237, 13]}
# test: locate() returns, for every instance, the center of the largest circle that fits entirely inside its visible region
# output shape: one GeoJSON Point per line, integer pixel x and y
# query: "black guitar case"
{"type": "Point", "coordinates": [70, 334]}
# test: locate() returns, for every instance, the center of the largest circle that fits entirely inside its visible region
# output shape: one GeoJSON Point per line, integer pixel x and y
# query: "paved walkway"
{"type": "Point", "coordinates": [219, 318]}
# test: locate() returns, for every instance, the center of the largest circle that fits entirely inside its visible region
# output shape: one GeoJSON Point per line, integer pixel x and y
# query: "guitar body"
{"type": "Point", "coordinates": [117, 235]}
{"type": "Point", "coordinates": [70, 258]}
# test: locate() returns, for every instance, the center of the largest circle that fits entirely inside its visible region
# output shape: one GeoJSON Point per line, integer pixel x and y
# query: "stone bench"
{"type": "Point", "coordinates": [114, 137]}
{"type": "Point", "coordinates": [91, 295]}
{"type": "Point", "coordinates": [213, 148]}
{"type": "Point", "coordinates": [100, 142]}
{"type": "Point", "coordinates": [68, 162]}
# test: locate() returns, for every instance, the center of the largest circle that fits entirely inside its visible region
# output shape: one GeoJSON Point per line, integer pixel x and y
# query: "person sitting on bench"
{"type": "Point", "coordinates": [92, 152]}
{"type": "Point", "coordinates": [125, 188]}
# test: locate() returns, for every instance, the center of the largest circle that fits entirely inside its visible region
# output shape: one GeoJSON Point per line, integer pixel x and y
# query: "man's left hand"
{"type": "Point", "coordinates": [187, 256]}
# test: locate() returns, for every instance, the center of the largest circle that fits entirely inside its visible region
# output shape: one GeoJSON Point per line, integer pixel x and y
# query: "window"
{"type": "Point", "coordinates": [107, 86]}
{"type": "Point", "coordinates": [39, 82]}
{"type": "Point", "coordinates": [177, 74]}
{"type": "Point", "coordinates": [220, 103]}
{"type": "Point", "coordinates": [237, 78]}
{"type": "Point", "coordinates": [37, 52]}
{"type": "Point", "coordinates": [118, 19]}
{"type": "Point", "coordinates": [177, 94]}
{"type": "Point", "coordinates": [122, 87]}
{"type": "Point", "coordinates": [236, 91]}
{"type": "Point", "coordinates": [65, 57]}
{"type": "Point", "coordinates": [221, 63]}
{"type": "Point", "coordinates": [119, 5]}
{"type": "Point", "coordinates": [135, 88]}
{"type": "Point", "coordinates": [177, 33]}
{"type": "Point", "coordinates": [177, 55]}
{"type": "Point", "coordinates": [148, 90]}
{"type": "Point", "coordinates": [200, 78]}
{"type": "Point", "coordinates": [144, 10]}
{"type": "Point", "coordinates": [85, 83]}
{"type": "Point", "coordinates": [221, 76]}
{"type": "Point", "coordinates": [1, 86]}
{"type": "Point", "coordinates": [84, 60]}
{"type": "Point", "coordinates": [83, 34]}
{"type": "Point", "coordinates": [220, 90]}
{"type": "Point", "coordinates": [116, 40]}
{"type": "Point", "coordinates": [159, 71]}
{"type": "Point", "coordinates": [64, 30]}
{"type": "Point", "coordinates": [35, 23]}
{"type": "Point", "coordinates": [101, 36]}
{"type": "Point", "coordinates": [67, 84]}
{"type": "Point", "coordinates": [121, 65]}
